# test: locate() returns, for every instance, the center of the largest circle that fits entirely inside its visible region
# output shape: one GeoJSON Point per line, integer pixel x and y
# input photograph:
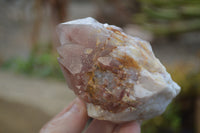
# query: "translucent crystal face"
{"type": "Point", "coordinates": [109, 69]}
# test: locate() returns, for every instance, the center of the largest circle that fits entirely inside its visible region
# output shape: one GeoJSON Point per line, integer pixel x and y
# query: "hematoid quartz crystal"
{"type": "Point", "coordinates": [116, 75]}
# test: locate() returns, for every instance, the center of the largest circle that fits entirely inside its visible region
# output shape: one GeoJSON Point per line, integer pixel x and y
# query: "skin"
{"type": "Point", "coordinates": [74, 118]}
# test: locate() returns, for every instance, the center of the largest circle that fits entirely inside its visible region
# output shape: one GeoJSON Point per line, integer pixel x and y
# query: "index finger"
{"type": "Point", "coordinates": [71, 120]}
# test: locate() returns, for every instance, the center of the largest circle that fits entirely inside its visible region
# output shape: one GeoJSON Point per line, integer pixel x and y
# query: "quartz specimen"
{"type": "Point", "coordinates": [117, 75]}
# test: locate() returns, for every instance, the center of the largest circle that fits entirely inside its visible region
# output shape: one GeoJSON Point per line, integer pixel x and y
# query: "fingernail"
{"type": "Point", "coordinates": [67, 109]}
{"type": "Point", "coordinates": [75, 107]}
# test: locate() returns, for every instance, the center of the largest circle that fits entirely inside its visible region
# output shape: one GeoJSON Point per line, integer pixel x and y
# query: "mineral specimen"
{"type": "Point", "coordinates": [117, 75]}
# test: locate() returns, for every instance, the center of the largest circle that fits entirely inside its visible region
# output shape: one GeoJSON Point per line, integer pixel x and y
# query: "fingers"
{"type": "Point", "coordinates": [131, 127]}
{"type": "Point", "coordinates": [73, 120]}
{"type": "Point", "coordinates": [70, 120]}
{"type": "Point", "coordinates": [98, 126]}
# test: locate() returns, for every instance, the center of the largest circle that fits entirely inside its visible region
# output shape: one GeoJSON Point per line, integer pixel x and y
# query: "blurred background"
{"type": "Point", "coordinates": [32, 88]}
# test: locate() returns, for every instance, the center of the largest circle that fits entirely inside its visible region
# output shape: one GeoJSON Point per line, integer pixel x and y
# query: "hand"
{"type": "Point", "coordinates": [74, 118]}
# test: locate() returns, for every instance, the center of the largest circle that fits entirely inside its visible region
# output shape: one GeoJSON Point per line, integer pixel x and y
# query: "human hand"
{"type": "Point", "coordinates": [74, 118]}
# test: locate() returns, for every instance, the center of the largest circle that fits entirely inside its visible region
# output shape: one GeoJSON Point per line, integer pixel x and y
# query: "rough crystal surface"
{"type": "Point", "coordinates": [117, 75]}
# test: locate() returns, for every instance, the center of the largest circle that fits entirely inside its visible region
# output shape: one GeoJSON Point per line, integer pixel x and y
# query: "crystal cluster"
{"type": "Point", "coordinates": [117, 75]}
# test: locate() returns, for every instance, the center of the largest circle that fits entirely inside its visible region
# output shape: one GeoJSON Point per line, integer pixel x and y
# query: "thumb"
{"type": "Point", "coordinates": [70, 120]}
